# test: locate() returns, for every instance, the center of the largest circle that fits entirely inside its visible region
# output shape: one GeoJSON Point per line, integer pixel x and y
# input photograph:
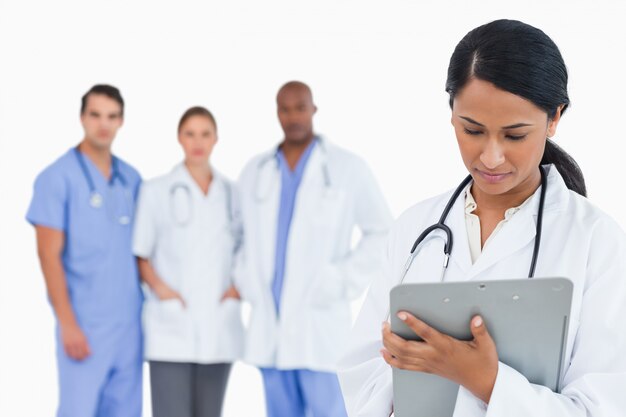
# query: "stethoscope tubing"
{"type": "Point", "coordinates": [181, 186]}
{"type": "Point", "coordinates": [448, 240]}
{"type": "Point", "coordinates": [274, 157]}
{"type": "Point", "coordinates": [95, 198]}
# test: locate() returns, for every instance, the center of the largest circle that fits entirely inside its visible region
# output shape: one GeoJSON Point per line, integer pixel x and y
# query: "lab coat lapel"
{"type": "Point", "coordinates": [308, 200]}
{"type": "Point", "coordinates": [313, 170]}
{"type": "Point", "coordinates": [181, 176]}
{"type": "Point", "coordinates": [460, 247]}
{"type": "Point", "coordinates": [308, 197]}
{"type": "Point", "coordinates": [267, 201]}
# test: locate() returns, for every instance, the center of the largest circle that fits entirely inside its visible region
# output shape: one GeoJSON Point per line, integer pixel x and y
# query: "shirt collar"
{"type": "Point", "coordinates": [471, 206]}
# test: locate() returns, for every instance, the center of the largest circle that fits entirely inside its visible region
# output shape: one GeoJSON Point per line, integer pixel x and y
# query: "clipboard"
{"type": "Point", "coordinates": [527, 318]}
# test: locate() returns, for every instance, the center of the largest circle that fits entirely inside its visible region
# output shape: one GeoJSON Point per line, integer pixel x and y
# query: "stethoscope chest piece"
{"type": "Point", "coordinates": [95, 200]}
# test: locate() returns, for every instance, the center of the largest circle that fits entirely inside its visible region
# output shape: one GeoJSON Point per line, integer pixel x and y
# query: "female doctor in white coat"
{"type": "Point", "coordinates": [508, 90]}
{"type": "Point", "coordinates": [185, 239]}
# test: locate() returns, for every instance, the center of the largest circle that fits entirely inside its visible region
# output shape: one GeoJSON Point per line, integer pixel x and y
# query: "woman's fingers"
{"type": "Point", "coordinates": [423, 330]}
{"type": "Point", "coordinates": [407, 354]}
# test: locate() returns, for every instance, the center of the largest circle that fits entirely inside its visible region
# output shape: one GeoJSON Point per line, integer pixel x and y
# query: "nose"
{"type": "Point", "coordinates": [492, 155]}
{"type": "Point", "coordinates": [105, 123]}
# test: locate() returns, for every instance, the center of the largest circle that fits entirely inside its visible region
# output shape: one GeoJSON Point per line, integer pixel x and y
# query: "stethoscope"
{"type": "Point", "coordinates": [261, 195]}
{"type": "Point", "coordinates": [447, 248]}
{"type": "Point", "coordinates": [183, 221]}
{"type": "Point", "coordinates": [96, 199]}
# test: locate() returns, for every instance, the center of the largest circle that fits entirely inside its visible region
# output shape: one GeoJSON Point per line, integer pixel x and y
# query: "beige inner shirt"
{"type": "Point", "coordinates": [472, 223]}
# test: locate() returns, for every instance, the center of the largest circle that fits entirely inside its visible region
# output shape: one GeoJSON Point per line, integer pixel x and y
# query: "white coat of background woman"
{"type": "Point", "coordinates": [186, 235]}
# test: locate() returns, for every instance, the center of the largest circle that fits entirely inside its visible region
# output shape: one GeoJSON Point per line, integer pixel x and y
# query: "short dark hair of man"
{"type": "Point", "coordinates": [104, 89]}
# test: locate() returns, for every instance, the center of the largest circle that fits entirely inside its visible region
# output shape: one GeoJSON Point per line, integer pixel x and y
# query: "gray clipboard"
{"type": "Point", "coordinates": [527, 318]}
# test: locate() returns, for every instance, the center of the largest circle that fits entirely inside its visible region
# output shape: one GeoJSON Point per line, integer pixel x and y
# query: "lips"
{"type": "Point", "coordinates": [493, 177]}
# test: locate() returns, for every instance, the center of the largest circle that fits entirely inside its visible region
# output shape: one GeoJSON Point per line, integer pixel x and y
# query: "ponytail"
{"type": "Point", "coordinates": [567, 167]}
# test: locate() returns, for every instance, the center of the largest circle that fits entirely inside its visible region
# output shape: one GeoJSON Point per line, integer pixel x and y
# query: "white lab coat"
{"type": "Point", "coordinates": [323, 272]}
{"type": "Point", "coordinates": [189, 239]}
{"type": "Point", "coordinates": [578, 242]}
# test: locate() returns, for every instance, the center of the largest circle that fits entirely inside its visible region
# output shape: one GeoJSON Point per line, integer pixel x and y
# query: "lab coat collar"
{"type": "Point", "coordinates": [521, 227]}
{"type": "Point", "coordinates": [313, 167]}
{"type": "Point", "coordinates": [181, 174]}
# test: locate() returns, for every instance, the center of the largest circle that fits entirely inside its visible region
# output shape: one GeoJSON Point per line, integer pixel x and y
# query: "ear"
{"type": "Point", "coordinates": [314, 109]}
{"type": "Point", "coordinates": [553, 123]}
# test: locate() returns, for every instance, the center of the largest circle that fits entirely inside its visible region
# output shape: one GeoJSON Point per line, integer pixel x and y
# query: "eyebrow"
{"type": "Point", "coordinates": [514, 126]}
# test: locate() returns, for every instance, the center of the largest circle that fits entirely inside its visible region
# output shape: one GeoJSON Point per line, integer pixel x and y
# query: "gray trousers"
{"type": "Point", "coordinates": [188, 389]}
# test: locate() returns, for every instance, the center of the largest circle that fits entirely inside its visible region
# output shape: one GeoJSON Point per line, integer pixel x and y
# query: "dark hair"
{"type": "Point", "coordinates": [104, 89]}
{"type": "Point", "coordinates": [196, 111]}
{"type": "Point", "coordinates": [524, 61]}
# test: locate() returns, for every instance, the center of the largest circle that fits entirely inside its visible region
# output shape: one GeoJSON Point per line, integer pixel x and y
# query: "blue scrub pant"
{"type": "Point", "coordinates": [108, 383]}
{"type": "Point", "coordinates": [302, 393]}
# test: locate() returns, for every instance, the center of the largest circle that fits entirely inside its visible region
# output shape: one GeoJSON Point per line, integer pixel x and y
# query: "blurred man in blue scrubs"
{"type": "Point", "coordinates": [82, 210]}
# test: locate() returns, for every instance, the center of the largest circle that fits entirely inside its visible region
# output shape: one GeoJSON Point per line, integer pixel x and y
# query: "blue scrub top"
{"type": "Point", "coordinates": [290, 182]}
{"type": "Point", "coordinates": [100, 268]}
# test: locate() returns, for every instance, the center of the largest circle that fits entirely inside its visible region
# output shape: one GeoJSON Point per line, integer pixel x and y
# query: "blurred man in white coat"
{"type": "Point", "coordinates": [301, 202]}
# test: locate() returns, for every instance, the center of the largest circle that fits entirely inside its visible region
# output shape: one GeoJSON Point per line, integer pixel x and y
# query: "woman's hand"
{"type": "Point", "coordinates": [231, 292]}
{"type": "Point", "coordinates": [165, 292]}
{"type": "Point", "coordinates": [472, 364]}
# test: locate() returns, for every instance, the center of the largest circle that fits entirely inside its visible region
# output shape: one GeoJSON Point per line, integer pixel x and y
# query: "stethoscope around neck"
{"type": "Point", "coordinates": [96, 200]}
{"type": "Point", "coordinates": [448, 240]}
{"type": "Point", "coordinates": [261, 195]}
{"type": "Point", "coordinates": [186, 219]}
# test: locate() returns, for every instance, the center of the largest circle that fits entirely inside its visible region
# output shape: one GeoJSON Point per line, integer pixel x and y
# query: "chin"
{"type": "Point", "coordinates": [493, 188]}
{"type": "Point", "coordinates": [195, 159]}
{"type": "Point", "coordinates": [102, 143]}
{"type": "Point", "coordinates": [299, 139]}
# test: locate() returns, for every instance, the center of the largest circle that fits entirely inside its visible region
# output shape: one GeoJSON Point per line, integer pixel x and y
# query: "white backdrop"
{"type": "Point", "coordinates": [377, 70]}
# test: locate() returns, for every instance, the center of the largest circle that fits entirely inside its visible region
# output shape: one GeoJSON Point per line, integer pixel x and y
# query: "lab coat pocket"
{"type": "Point", "coordinates": [168, 331]}
{"type": "Point", "coordinates": [327, 288]}
{"type": "Point", "coordinates": [172, 317]}
{"type": "Point", "coordinates": [329, 207]}
{"type": "Point", "coordinates": [230, 309]}
{"type": "Point", "coordinates": [230, 329]}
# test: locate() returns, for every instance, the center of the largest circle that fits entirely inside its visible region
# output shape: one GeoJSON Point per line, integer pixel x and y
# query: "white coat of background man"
{"type": "Point", "coordinates": [301, 202]}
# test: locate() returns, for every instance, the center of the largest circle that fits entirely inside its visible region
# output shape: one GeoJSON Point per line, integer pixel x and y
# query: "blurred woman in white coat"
{"type": "Point", "coordinates": [186, 235]}
{"type": "Point", "coordinates": [508, 90]}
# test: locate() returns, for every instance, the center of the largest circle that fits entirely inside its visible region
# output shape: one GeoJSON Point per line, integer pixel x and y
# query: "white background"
{"type": "Point", "coordinates": [377, 70]}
